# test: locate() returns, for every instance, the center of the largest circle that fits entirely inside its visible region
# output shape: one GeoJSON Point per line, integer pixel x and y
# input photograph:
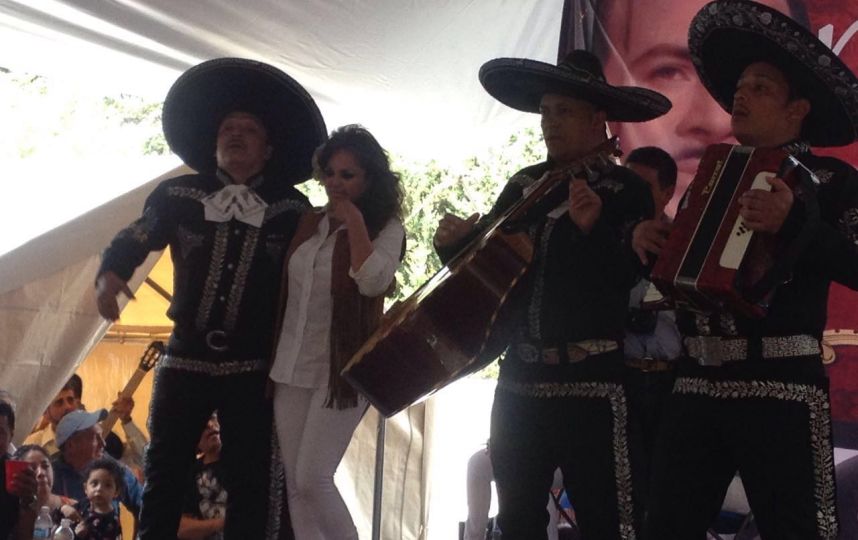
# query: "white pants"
{"type": "Point", "coordinates": [313, 440]}
{"type": "Point", "coordinates": [479, 494]}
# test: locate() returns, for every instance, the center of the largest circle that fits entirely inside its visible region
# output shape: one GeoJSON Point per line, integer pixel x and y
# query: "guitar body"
{"type": "Point", "coordinates": [449, 327]}
{"type": "Point", "coordinates": [443, 331]}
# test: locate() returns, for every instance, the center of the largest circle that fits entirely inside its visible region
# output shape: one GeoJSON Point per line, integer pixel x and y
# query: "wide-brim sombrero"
{"type": "Point", "coordinates": [203, 95]}
{"type": "Point", "coordinates": [520, 83]}
{"type": "Point", "coordinates": [728, 35]}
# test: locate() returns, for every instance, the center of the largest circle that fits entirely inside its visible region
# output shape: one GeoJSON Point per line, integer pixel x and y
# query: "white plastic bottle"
{"type": "Point", "coordinates": [44, 525]}
{"type": "Point", "coordinates": [64, 532]}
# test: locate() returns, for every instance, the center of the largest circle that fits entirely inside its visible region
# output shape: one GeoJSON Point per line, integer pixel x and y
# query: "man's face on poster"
{"type": "Point", "coordinates": [647, 45]}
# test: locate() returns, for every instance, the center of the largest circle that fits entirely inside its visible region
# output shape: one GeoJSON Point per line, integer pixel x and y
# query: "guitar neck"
{"type": "Point", "coordinates": [128, 391]}
{"type": "Point", "coordinates": [598, 159]}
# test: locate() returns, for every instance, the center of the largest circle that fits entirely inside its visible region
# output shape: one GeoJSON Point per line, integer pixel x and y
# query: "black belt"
{"type": "Point", "coordinates": [213, 341]}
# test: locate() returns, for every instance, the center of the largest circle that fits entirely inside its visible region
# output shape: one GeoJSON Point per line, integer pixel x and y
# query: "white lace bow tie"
{"type": "Point", "coordinates": [235, 201]}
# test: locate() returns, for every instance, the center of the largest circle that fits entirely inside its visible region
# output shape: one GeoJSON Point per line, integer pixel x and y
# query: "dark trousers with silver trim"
{"type": "Point", "coordinates": [584, 435]}
{"type": "Point", "coordinates": [182, 402]}
{"type": "Point", "coordinates": [776, 432]}
{"type": "Point", "coordinates": [647, 393]}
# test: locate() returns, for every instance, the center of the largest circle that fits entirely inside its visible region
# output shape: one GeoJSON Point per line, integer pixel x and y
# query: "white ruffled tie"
{"type": "Point", "coordinates": [235, 201]}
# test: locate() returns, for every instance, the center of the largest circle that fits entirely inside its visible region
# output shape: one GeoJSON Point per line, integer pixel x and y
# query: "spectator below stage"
{"type": "Point", "coordinates": [80, 441]}
{"type": "Point", "coordinates": [205, 499]}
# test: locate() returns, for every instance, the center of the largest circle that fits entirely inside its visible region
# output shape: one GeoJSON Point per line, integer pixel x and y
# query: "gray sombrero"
{"type": "Point", "coordinates": [520, 83]}
{"type": "Point", "coordinates": [204, 94]}
{"type": "Point", "coordinates": [728, 35]}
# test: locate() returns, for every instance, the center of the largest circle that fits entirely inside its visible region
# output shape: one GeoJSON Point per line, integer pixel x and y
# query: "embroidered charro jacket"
{"type": "Point", "coordinates": [798, 307]}
{"type": "Point", "coordinates": [226, 270]}
{"type": "Point", "coordinates": [577, 286]}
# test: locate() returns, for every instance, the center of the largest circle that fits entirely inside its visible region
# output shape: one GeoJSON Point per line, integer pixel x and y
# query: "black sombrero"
{"type": "Point", "coordinates": [203, 95]}
{"type": "Point", "coordinates": [520, 83]}
{"type": "Point", "coordinates": [728, 35]}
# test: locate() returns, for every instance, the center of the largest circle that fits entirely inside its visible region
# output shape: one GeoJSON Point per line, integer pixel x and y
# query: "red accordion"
{"type": "Point", "coordinates": [711, 260]}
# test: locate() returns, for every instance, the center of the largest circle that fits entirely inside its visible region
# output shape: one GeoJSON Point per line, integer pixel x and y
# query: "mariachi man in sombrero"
{"type": "Point", "coordinates": [559, 400]}
{"type": "Point", "coordinates": [249, 130]}
{"type": "Point", "coordinates": [751, 394]}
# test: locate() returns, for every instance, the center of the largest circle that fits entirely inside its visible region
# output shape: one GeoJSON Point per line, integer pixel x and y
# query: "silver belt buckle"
{"type": "Point", "coordinates": [216, 340]}
{"type": "Point", "coordinates": [576, 353]}
{"type": "Point", "coordinates": [709, 351]}
{"type": "Point", "coordinates": [528, 352]}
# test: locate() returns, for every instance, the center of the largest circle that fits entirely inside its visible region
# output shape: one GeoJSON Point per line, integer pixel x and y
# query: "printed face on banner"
{"type": "Point", "coordinates": [645, 43]}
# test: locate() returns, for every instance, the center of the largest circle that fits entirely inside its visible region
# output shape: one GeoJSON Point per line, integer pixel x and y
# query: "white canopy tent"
{"type": "Point", "coordinates": [406, 70]}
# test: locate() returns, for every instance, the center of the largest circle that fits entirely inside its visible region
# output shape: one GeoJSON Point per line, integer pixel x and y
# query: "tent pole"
{"type": "Point", "coordinates": [379, 478]}
{"type": "Point", "coordinates": [158, 289]}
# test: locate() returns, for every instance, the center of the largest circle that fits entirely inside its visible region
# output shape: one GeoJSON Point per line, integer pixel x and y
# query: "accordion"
{"type": "Point", "coordinates": [711, 259]}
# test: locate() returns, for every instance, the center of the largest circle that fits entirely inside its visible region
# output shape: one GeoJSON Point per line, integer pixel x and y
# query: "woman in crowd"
{"type": "Point", "coordinates": [340, 264]}
{"type": "Point", "coordinates": [41, 464]}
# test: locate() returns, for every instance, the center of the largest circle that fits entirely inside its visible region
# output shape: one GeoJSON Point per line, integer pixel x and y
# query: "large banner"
{"type": "Point", "coordinates": [644, 43]}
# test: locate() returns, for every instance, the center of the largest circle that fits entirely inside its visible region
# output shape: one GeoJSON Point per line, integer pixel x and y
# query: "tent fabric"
{"type": "Point", "coordinates": [408, 70]}
{"type": "Point", "coordinates": [47, 304]}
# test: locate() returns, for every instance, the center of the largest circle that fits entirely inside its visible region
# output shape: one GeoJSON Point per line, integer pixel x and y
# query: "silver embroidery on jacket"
{"type": "Point", "coordinates": [285, 205]}
{"type": "Point", "coordinates": [534, 319]}
{"type": "Point", "coordinates": [823, 175]}
{"type": "Point", "coordinates": [816, 401]}
{"type": "Point", "coordinates": [186, 192]}
{"type": "Point", "coordinates": [240, 281]}
{"type": "Point", "coordinates": [188, 241]}
{"type": "Point", "coordinates": [140, 230]}
{"type": "Point", "coordinates": [849, 224]}
{"type": "Point", "coordinates": [213, 278]}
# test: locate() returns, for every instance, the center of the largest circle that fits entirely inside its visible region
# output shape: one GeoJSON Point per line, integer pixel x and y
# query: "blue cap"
{"type": "Point", "coordinates": [77, 421]}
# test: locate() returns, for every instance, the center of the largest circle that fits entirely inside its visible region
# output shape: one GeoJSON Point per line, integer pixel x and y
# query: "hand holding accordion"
{"type": "Point", "coordinates": [722, 251]}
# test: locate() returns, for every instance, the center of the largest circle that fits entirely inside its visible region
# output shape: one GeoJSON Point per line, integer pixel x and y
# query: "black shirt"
{"type": "Point", "coordinates": [205, 497]}
{"type": "Point", "coordinates": [8, 503]}
{"type": "Point", "coordinates": [577, 286]}
{"type": "Point", "coordinates": [226, 274]}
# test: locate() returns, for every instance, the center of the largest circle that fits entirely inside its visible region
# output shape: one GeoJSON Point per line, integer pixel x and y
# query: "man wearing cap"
{"type": "Point", "coordinates": [751, 394]}
{"type": "Point", "coordinates": [250, 131]}
{"type": "Point", "coordinates": [559, 400]}
{"type": "Point", "coordinates": [79, 438]}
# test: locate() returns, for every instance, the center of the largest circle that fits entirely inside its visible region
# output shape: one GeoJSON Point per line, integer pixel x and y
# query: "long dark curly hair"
{"type": "Point", "coordinates": [382, 198]}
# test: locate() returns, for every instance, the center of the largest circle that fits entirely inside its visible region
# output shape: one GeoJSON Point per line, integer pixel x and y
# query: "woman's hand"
{"type": "Point", "coordinates": [344, 211]}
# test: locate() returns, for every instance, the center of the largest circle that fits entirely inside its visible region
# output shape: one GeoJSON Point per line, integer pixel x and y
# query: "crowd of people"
{"type": "Point", "coordinates": [643, 415]}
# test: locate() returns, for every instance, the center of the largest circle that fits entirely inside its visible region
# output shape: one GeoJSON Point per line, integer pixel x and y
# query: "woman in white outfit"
{"type": "Point", "coordinates": [339, 265]}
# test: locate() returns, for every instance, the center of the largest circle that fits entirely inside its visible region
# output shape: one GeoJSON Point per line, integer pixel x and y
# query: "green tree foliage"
{"type": "Point", "coordinates": [431, 190]}
{"type": "Point", "coordinates": [130, 110]}
{"type": "Point", "coordinates": [52, 120]}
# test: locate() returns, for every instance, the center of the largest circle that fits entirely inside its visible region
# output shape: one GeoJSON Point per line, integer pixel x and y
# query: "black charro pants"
{"type": "Point", "coordinates": [771, 423]}
{"type": "Point", "coordinates": [579, 426]}
{"type": "Point", "coordinates": [647, 393]}
{"type": "Point", "coordinates": [182, 402]}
